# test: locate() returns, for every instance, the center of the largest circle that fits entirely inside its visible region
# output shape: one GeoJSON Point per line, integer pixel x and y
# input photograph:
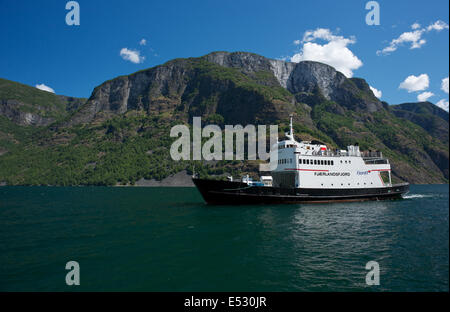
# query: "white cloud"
{"type": "Point", "coordinates": [424, 96]}
{"type": "Point", "coordinates": [415, 83]}
{"type": "Point", "coordinates": [414, 38]}
{"type": "Point", "coordinates": [444, 85]}
{"type": "Point", "coordinates": [443, 104]}
{"type": "Point", "coordinates": [376, 92]}
{"type": "Point", "coordinates": [438, 26]}
{"type": "Point", "coordinates": [334, 52]}
{"type": "Point", "coordinates": [143, 42]}
{"type": "Point", "coordinates": [297, 42]}
{"type": "Point", "coordinates": [131, 55]}
{"type": "Point", "coordinates": [45, 88]}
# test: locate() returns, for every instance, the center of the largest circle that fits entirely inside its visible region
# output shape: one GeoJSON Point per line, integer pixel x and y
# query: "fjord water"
{"type": "Point", "coordinates": [167, 239]}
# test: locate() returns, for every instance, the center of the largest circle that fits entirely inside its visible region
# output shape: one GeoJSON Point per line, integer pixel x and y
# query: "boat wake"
{"type": "Point", "coordinates": [411, 196]}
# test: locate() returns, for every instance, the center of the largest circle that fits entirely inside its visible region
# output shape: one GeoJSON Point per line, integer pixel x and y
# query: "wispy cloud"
{"type": "Point", "coordinates": [415, 83]}
{"type": "Point", "coordinates": [133, 56]}
{"type": "Point", "coordinates": [443, 104]}
{"type": "Point", "coordinates": [444, 85]}
{"type": "Point", "coordinates": [424, 96]}
{"type": "Point", "coordinates": [143, 42]}
{"type": "Point", "coordinates": [414, 38]}
{"type": "Point", "coordinates": [415, 26]}
{"type": "Point", "coordinates": [376, 92]}
{"type": "Point", "coordinates": [334, 51]}
{"type": "Point", "coordinates": [43, 87]}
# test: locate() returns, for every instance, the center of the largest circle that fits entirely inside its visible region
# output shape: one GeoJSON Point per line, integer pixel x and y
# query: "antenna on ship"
{"type": "Point", "coordinates": [292, 130]}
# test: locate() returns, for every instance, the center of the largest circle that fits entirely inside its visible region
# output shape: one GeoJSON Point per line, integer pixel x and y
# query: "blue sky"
{"type": "Point", "coordinates": [37, 47]}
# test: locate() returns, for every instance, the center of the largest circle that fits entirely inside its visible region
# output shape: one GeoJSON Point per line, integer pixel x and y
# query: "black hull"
{"type": "Point", "coordinates": [237, 193]}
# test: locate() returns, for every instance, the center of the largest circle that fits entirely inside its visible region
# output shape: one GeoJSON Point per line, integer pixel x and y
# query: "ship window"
{"type": "Point", "coordinates": [345, 161]}
{"type": "Point", "coordinates": [315, 161]}
{"type": "Point", "coordinates": [341, 161]}
{"type": "Point", "coordinates": [332, 162]}
{"type": "Point", "coordinates": [291, 160]}
{"type": "Point", "coordinates": [349, 162]}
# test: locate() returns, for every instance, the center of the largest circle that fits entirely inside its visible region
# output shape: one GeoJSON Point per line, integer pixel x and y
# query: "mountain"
{"type": "Point", "coordinates": [427, 115]}
{"type": "Point", "coordinates": [121, 133]}
{"type": "Point", "coordinates": [25, 105]}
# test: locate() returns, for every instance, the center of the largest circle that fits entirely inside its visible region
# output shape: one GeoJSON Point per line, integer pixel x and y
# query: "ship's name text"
{"type": "Point", "coordinates": [333, 174]}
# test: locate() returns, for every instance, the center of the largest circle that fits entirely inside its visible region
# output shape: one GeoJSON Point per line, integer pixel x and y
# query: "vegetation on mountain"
{"type": "Point", "coordinates": [120, 135]}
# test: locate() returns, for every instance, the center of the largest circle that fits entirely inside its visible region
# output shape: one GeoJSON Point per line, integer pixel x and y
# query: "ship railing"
{"type": "Point", "coordinates": [366, 155]}
{"type": "Point", "coordinates": [372, 154]}
{"type": "Point", "coordinates": [375, 161]}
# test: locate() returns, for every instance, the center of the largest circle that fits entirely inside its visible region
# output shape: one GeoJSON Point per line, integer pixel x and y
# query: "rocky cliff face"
{"type": "Point", "coordinates": [232, 88]}
{"type": "Point", "coordinates": [25, 105]}
{"type": "Point", "coordinates": [14, 110]}
{"type": "Point", "coordinates": [174, 84]}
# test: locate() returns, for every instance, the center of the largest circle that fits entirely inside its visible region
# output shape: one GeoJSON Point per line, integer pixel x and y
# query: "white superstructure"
{"type": "Point", "coordinates": [310, 164]}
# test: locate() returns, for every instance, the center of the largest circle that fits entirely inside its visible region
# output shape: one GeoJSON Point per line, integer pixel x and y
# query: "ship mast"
{"type": "Point", "coordinates": [290, 135]}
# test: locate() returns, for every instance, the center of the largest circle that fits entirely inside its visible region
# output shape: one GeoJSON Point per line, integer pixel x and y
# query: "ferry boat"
{"type": "Point", "coordinates": [308, 172]}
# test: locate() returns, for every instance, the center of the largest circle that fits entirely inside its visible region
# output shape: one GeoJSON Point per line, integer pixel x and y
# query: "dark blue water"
{"type": "Point", "coordinates": [166, 239]}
